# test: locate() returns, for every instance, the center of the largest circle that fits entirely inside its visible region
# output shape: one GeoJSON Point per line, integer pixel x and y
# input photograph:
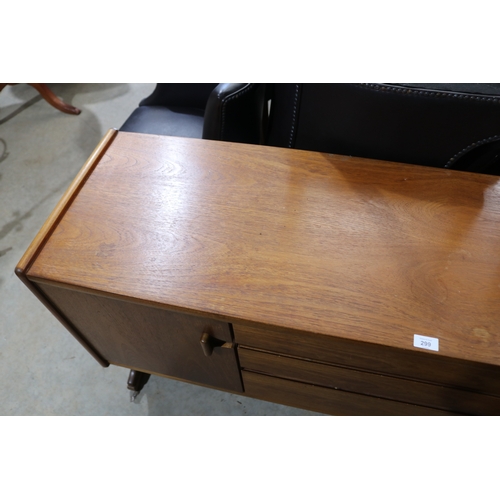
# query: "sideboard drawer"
{"type": "Point", "coordinates": [371, 384]}
{"type": "Point", "coordinates": [325, 400]}
{"type": "Point", "coordinates": [149, 339]}
{"type": "Point", "coordinates": [374, 358]}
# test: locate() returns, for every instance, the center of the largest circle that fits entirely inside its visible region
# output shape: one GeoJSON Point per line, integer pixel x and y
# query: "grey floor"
{"type": "Point", "coordinates": [43, 370]}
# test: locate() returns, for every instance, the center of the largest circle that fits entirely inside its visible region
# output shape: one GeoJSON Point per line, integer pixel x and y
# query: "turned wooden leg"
{"type": "Point", "coordinates": [136, 381]}
{"type": "Point", "coordinates": [53, 100]}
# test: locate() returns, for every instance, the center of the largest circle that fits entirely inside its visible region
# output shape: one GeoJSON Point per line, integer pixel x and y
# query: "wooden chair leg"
{"type": "Point", "coordinates": [53, 100]}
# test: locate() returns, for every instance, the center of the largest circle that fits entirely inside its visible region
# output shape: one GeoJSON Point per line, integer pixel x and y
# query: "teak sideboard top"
{"type": "Point", "coordinates": [353, 248]}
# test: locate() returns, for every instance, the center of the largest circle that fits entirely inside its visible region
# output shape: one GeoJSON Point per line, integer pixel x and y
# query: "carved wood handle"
{"type": "Point", "coordinates": [206, 344]}
{"type": "Point", "coordinates": [209, 343]}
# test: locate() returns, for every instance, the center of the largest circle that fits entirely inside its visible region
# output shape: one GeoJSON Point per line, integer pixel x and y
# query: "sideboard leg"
{"type": "Point", "coordinates": [136, 381]}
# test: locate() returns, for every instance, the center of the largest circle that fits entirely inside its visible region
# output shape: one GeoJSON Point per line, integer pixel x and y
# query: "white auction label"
{"type": "Point", "coordinates": [426, 342]}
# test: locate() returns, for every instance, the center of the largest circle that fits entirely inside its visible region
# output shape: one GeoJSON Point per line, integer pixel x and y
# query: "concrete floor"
{"type": "Point", "coordinates": [43, 370]}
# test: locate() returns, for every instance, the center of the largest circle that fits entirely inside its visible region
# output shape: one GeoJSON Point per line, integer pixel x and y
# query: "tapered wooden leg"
{"type": "Point", "coordinates": [53, 100]}
{"type": "Point", "coordinates": [136, 381]}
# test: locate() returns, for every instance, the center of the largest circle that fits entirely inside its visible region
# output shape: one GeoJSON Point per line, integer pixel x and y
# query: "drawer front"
{"type": "Point", "coordinates": [148, 338]}
{"type": "Point", "coordinates": [381, 386]}
{"type": "Point", "coordinates": [324, 400]}
{"type": "Point", "coordinates": [407, 364]}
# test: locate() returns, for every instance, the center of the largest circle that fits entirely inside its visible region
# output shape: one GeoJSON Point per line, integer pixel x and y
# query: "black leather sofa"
{"type": "Point", "coordinates": [441, 125]}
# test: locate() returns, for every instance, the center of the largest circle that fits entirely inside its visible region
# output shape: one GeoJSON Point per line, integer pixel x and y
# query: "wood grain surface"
{"type": "Point", "coordinates": [352, 248]}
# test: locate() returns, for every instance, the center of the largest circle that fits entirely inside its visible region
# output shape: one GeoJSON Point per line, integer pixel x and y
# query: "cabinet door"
{"type": "Point", "coordinates": [150, 339]}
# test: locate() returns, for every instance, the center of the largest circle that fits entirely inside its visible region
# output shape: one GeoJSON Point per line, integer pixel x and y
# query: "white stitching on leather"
{"type": "Point", "coordinates": [294, 116]}
{"type": "Point", "coordinates": [471, 147]}
{"type": "Point", "coordinates": [429, 93]}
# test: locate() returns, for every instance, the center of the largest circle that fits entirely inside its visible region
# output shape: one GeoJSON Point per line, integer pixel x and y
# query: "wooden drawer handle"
{"type": "Point", "coordinates": [209, 343]}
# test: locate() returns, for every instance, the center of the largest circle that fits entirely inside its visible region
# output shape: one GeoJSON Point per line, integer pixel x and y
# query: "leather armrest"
{"type": "Point", "coordinates": [236, 112]}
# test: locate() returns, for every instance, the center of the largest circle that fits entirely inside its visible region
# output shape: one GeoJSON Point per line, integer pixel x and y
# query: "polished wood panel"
{"type": "Point", "coordinates": [393, 388]}
{"type": "Point", "coordinates": [351, 248]}
{"type": "Point", "coordinates": [149, 339]}
{"type": "Point", "coordinates": [324, 400]}
{"type": "Point", "coordinates": [412, 365]}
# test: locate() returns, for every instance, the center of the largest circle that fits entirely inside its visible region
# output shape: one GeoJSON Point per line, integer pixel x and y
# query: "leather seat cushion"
{"type": "Point", "coordinates": [180, 122]}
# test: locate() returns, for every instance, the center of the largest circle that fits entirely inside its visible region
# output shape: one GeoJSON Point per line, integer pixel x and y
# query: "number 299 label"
{"type": "Point", "coordinates": [430, 343]}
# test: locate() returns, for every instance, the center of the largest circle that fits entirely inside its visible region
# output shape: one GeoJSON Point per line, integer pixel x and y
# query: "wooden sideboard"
{"type": "Point", "coordinates": [337, 284]}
